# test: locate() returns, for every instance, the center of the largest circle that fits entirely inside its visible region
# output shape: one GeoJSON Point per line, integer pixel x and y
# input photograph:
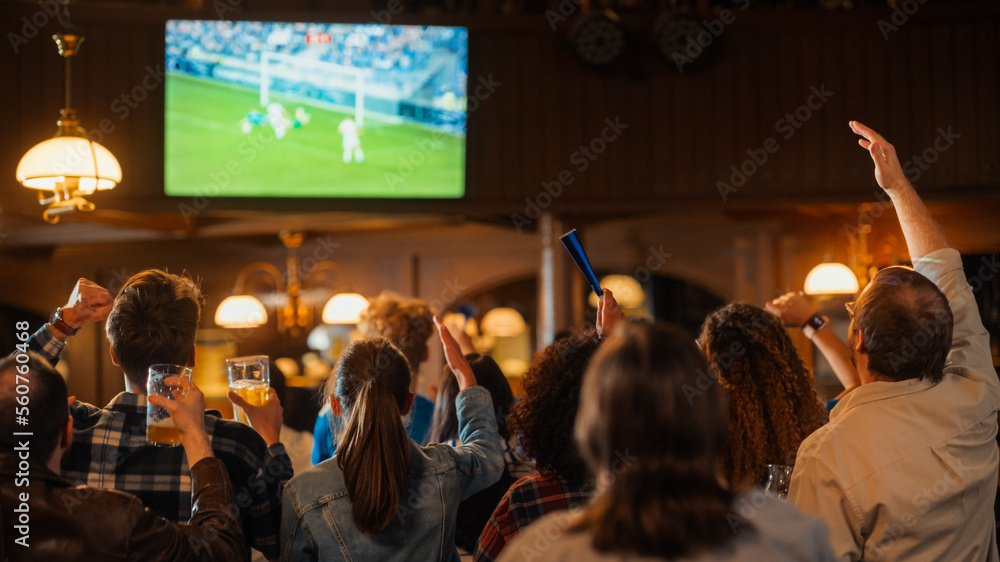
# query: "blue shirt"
{"type": "Point", "coordinates": [316, 520]}
{"type": "Point", "coordinates": [418, 427]}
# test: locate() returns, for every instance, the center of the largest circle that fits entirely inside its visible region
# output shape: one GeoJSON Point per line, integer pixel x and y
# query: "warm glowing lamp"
{"type": "Point", "coordinates": [831, 278]}
{"type": "Point", "coordinates": [68, 166]}
{"type": "Point", "coordinates": [504, 323]}
{"type": "Point", "coordinates": [627, 291]}
{"type": "Point", "coordinates": [345, 308]}
{"type": "Point", "coordinates": [241, 311]}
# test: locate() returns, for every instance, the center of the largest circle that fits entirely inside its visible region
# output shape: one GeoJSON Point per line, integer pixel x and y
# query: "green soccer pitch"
{"type": "Point", "coordinates": [208, 154]}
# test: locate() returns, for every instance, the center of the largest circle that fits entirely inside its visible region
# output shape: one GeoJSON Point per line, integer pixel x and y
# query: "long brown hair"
{"type": "Point", "coordinates": [444, 425]}
{"type": "Point", "coordinates": [653, 447]}
{"type": "Point", "coordinates": [773, 404]}
{"type": "Point", "coordinates": [372, 382]}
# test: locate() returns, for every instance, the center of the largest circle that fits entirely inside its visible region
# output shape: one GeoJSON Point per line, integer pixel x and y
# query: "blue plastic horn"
{"type": "Point", "coordinates": [575, 249]}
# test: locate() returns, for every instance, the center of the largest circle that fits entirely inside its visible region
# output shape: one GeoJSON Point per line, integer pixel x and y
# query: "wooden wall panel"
{"type": "Point", "coordinates": [987, 109]}
{"type": "Point", "coordinates": [966, 172]}
{"type": "Point", "coordinates": [685, 131]}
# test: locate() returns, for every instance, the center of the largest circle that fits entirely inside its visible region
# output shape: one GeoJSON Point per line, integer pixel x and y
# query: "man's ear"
{"type": "Point", "coordinates": [859, 341]}
{"type": "Point", "coordinates": [190, 361]}
{"type": "Point", "coordinates": [66, 436]}
{"type": "Point", "coordinates": [335, 406]}
{"type": "Point", "coordinates": [114, 358]}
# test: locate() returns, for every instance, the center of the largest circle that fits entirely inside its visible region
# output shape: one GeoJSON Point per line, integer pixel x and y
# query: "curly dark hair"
{"type": "Point", "coordinates": [544, 418]}
{"type": "Point", "coordinates": [773, 404]}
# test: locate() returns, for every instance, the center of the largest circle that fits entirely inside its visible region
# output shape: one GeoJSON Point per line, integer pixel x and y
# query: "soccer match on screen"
{"type": "Point", "coordinates": [280, 109]}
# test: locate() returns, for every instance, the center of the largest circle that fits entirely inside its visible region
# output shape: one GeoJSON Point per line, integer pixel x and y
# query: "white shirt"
{"type": "Point", "coordinates": [908, 470]}
{"type": "Point", "coordinates": [349, 134]}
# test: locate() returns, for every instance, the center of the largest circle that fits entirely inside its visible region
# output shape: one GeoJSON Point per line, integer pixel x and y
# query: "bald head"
{"type": "Point", "coordinates": [906, 324]}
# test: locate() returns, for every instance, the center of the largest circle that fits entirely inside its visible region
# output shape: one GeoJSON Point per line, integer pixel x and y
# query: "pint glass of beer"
{"type": "Point", "coordinates": [160, 429]}
{"type": "Point", "coordinates": [250, 377]}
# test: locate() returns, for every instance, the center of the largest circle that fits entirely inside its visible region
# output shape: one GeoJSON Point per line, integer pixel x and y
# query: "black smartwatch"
{"type": "Point", "coordinates": [57, 322]}
{"type": "Point", "coordinates": [813, 325]}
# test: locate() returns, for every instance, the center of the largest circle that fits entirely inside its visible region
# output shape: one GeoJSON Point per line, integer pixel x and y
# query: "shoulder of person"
{"type": "Point", "coordinates": [550, 538]}
{"type": "Point", "coordinates": [82, 410]}
{"type": "Point", "coordinates": [81, 500]}
{"type": "Point", "coordinates": [233, 437]}
{"type": "Point", "coordinates": [526, 482]}
{"type": "Point", "coordinates": [774, 516]}
{"type": "Point", "coordinates": [324, 479]}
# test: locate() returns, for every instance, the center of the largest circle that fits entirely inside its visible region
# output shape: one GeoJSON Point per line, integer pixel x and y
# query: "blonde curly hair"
{"type": "Point", "coordinates": [405, 322]}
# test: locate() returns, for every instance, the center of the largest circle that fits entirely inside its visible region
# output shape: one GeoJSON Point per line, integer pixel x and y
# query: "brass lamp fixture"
{"type": "Point", "coordinates": [291, 293]}
{"type": "Point", "coordinates": [69, 166]}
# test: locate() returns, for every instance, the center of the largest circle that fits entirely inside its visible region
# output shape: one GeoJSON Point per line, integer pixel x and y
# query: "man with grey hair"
{"type": "Point", "coordinates": [906, 468]}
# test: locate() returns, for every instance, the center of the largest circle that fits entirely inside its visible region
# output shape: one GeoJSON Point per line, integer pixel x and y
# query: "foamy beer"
{"type": "Point", "coordinates": [160, 429]}
{"type": "Point", "coordinates": [249, 377]}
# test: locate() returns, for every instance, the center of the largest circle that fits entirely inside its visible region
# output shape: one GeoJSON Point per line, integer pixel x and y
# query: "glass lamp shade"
{"type": "Point", "coordinates": [831, 279]}
{"type": "Point", "coordinates": [69, 161]}
{"type": "Point", "coordinates": [503, 322]}
{"type": "Point", "coordinates": [240, 311]}
{"type": "Point", "coordinates": [345, 308]}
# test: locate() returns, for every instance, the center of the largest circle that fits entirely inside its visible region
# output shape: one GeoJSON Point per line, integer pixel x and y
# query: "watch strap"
{"type": "Point", "coordinates": [813, 325]}
{"type": "Point", "coordinates": [57, 322]}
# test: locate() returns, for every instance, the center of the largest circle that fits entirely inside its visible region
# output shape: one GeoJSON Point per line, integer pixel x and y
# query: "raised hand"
{"type": "Point", "coordinates": [792, 308]}
{"type": "Point", "coordinates": [609, 314]}
{"type": "Point", "coordinates": [265, 420]}
{"type": "Point", "coordinates": [888, 172]}
{"type": "Point", "coordinates": [456, 360]}
{"type": "Point", "coordinates": [187, 410]}
{"type": "Point", "coordinates": [88, 303]}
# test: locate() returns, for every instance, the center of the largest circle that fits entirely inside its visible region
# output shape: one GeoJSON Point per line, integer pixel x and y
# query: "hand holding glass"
{"type": "Point", "coordinates": [250, 378]}
{"type": "Point", "coordinates": [160, 429]}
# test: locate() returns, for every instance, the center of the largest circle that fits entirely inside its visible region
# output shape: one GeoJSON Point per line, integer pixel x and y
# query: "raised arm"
{"type": "Point", "coordinates": [922, 234]}
{"type": "Point", "coordinates": [188, 413]}
{"type": "Point", "coordinates": [480, 456]}
{"type": "Point", "coordinates": [794, 310]}
{"type": "Point", "coordinates": [266, 420]}
{"type": "Point", "coordinates": [453, 355]}
{"type": "Point", "coordinates": [609, 314]}
{"type": "Point", "coordinates": [214, 531]}
{"type": "Point", "coordinates": [88, 303]}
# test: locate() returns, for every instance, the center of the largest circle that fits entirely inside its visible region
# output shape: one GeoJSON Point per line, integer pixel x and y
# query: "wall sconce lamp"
{"type": "Point", "coordinates": [503, 322]}
{"type": "Point", "coordinates": [292, 308]}
{"type": "Point", "coordinates": [831, 278]}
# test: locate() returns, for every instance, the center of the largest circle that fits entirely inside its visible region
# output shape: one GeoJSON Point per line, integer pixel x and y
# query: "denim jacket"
{"type": "Point", "coordinates": [316, 521]}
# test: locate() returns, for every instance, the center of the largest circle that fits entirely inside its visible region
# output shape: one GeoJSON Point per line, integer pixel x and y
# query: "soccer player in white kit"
{"type": "Point", "coordinates": [351, 143]}
{"type": "Point", "coordinates": [278, 119]}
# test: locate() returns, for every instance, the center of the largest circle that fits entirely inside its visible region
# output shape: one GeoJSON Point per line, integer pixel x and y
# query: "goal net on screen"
{"type": "Point", "coordinates": [312, 79]}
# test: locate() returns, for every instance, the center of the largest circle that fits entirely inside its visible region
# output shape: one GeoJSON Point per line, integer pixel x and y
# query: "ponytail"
{"type": "Point", "coordinates": [374, 451]}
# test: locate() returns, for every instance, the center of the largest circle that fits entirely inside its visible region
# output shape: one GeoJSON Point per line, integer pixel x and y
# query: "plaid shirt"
{"type": "Point", "coordinates": [110, 451]}
{"type": "Point", "coordinates": [527, 501]}
{"type": "Point", "coordinates": [46, 345]}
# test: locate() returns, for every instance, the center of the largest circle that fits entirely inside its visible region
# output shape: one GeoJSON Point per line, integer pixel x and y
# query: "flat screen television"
{"type": "Point", "coordinates": [279, 109]}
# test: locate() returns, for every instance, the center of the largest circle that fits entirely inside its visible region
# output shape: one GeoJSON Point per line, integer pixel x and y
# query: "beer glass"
{"type": "Point", "coordinates": [160, 429]}
{"type": "Point", "coordinates": [778, 478]}
{"type": "Point", "coordinates": [249, 377]}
